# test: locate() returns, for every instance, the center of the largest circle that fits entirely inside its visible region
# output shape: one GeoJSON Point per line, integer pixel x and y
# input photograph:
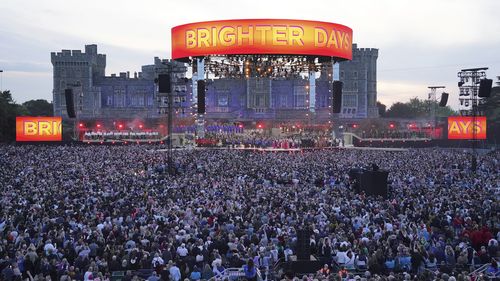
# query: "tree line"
{"type": "Point", "coordinates": [9, 109]}
{"type": "Point", "coordinates": [414, 108]}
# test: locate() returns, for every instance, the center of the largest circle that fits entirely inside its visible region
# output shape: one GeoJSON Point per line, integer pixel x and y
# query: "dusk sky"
{"type": "Point", "coordinates": [421, 43]}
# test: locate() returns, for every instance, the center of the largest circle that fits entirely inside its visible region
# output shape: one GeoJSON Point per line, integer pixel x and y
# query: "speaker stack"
{"type": "Point", "coordinates": [485, 88]}
{"type": "Point", "coordinates": [303, 244]}
{"type": "Point", "coordinates": [370, 182]}
{"type": "Point", "coordinates": [201, 96]}
{"type": "Point", "coordinates": [337, 96]}
{"type": "Point", "coordinates": [70, 103]}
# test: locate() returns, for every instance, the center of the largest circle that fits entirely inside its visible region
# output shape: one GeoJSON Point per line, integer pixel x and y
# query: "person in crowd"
{"type": "Point", "coordinates": [83, 212]}
{"type": "Point", "coordinates": [324, 271]}
{"type": "Point", "coordinates": [250, 270]}
{"type": "Point", "coordinates": [492, 271]}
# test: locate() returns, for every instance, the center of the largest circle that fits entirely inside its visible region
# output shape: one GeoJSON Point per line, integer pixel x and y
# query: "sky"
{"type": "Point", "coordinates": [421, 43]}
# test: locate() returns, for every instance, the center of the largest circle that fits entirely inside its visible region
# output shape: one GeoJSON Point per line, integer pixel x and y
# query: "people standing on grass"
{"type": "Point", "coordinates": [85, 211]}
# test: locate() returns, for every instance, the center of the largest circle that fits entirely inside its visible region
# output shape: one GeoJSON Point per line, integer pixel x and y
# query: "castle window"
{"type": "Point", "coordinates": [283, 101]}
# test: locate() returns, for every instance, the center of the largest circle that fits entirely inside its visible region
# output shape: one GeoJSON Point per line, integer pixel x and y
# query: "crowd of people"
{"type": "Point", "coordinates": [395, 134]}
{"type": "Point", "coordinates": [86, 212]}
{"type": "Point", "coordinates": [120, 135]}
{"type": "Point", "coordinates": [289, 141]}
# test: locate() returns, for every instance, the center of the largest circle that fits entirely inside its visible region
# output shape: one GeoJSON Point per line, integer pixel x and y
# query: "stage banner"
{"type": "Point", "coordinates": [465, 127]}
{"type": "Point", "coordinates": [262, 36]}
{"type": "Point", "coordinates": [38, 128]}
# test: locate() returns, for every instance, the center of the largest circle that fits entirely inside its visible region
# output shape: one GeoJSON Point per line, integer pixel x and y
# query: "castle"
{"type": "Point", "coordinates": [126, 96]}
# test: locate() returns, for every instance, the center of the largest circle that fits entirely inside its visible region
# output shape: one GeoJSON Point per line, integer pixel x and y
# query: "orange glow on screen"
{"type": "Point", "coordinates": [38, 129]}
{"type": "Point", "coordinates": [262, 36]}
{"type": "Point", "coordinates": [464, 127]}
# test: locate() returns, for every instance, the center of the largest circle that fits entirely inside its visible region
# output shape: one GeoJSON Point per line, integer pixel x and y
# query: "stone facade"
{"type": "Point", "coordinates": [98, 96]}
{"type": "Point", "coordinates": [359, 93]}
{"type": "Point", "coordinates": [77, 70]}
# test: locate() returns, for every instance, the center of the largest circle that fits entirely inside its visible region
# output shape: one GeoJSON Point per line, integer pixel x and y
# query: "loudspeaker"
{"type": "Point", "coordinates": [303, 244]}
{"type": "Point", "coordinates": [201, 96]}
{"type": "Point", "coordinates": [164, 83]}
{"type": "Point", "coordinates": [70, 104]}
{"type": "Point", "coordinates": [337, 96]}
{"type": "Point", "coordinates": [485, 88]}
{"type": "Point", "coordinates": [355, 177]}
{"type": "Point", "coordinates": [374, 183]}
{"type": "Point", "coordinates": [444, 99]}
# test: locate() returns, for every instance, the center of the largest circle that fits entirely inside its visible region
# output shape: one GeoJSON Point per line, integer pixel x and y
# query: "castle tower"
{"type": "Point", "coordinates": [359, 93]}
{"type": "Point", "coordinates": [77, 70]}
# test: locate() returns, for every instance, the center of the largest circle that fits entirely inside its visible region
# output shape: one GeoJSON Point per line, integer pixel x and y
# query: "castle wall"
{"type": "Point", "coordinates": [123, 96]}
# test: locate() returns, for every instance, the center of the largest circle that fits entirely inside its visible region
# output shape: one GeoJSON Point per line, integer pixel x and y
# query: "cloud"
{"type": "Point", "coordinates": [390, 92]}
{"type": "Point", "coordinates": [421, 43]}
{"type": "Point", "coordinates": [26, 85]}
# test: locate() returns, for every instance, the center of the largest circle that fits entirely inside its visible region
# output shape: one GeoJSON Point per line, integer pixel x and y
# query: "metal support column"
{"type": "Point", "coordinates": [200, 118]}
{"type": "Point", "coordinates": [335, 77]}
{"type": "Point", "coordinates": [312, 91]}
{"type": "Point", "coordinates": [432, 99]}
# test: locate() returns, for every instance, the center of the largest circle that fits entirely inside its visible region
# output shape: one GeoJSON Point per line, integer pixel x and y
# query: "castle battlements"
{"type": "Point", "coordinates": [90, 55]}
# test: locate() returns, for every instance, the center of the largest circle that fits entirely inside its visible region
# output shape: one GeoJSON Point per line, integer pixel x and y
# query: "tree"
{"type": "Point", "coordinates": [38, 107]}
{"type": "Point", "coordinates": [491, 109]}
{"type": "Point", "coordinates": [400, 110]}
{"type": "Point", "coordinates": [491, 105]}
{"type": "Point", "coordinates": [381, 109]}
{"type": "Point", "coordinates": [417, 108]}
{"type": "Point", "coordinates": [9, 109]}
